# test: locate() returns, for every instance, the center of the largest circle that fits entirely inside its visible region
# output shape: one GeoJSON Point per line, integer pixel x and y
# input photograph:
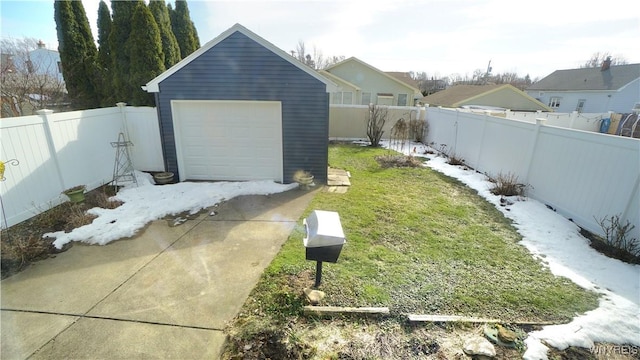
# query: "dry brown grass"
{"type": "Point", "coordinates": [23, 243]}
{"type": "Point", "coordinates": [389, 161]}
{"type": "Point", "coordinates": [508, 185]}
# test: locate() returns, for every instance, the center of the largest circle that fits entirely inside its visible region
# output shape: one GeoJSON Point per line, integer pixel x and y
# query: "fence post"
{"type": "Point", "coordinates": [532, 150]}
{"type": "Point", "coordinates": [572, 118]}
{"type": "Point", "coordinates": [44, 113]}
{"type": "Point", "coordinates": [484, 125]}
{"type": "Point", "coordinates": [455, 136]}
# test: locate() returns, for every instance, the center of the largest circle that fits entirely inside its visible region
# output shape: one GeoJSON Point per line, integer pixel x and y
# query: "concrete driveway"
{"type": "Point", "coordinates": [167, 293]}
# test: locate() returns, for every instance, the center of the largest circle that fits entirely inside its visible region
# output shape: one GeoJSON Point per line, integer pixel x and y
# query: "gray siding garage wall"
{"type": "Point", "coordinates": [238, 68]}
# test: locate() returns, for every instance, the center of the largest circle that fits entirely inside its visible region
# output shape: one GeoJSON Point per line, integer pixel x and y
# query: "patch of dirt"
{"type": "Point", "coordinates": [23, 243]}
{"type": "Point", "coordinates": [389, 161]}
{"type": "Point", "coordinates": [269, 344]}
{"type": "Point", "coordinates": [359, 338]}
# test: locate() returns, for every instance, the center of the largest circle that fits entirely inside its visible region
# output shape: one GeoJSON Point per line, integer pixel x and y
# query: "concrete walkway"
{"type": "Point", "coordinates": [167, 293]}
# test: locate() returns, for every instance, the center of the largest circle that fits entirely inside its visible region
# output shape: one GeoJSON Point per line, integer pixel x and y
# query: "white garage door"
{"type": "Point", "coordinates": [228, 140]}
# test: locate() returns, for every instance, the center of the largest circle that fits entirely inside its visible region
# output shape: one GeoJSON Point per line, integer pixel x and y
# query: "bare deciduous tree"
{"type": "Point", "coordinates": [29, 79]}
{"type": "Point", "coordinates": [598, 57]}
{"type": "Point", "coordinates": [316, 59]}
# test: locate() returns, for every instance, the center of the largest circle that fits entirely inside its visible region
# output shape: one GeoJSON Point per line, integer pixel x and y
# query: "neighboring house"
{"type": "Point", "coordinates": [362, 84]}
{"type": "Point", "coordinates": [498, 96]}
{"type": "Point", "coordinates": [45, 61]}
{"type": "Point", "coordinates": [239, 108]}
{"type": "Point", "coordinates": [32, 80]}
{"type": "Point", "coordinates": [591, 90]}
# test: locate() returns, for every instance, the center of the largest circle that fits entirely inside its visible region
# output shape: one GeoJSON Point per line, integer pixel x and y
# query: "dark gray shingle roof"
{"type": "Point", "coordinates": [589, 79]}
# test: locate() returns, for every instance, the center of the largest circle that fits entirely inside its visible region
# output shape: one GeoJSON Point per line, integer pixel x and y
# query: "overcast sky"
{"type": "Point", "coordinates": [440, 37]}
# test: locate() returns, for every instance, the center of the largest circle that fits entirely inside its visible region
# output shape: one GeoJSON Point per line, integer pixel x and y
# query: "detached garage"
{"type": "Point", "coordinates": [239, 108]}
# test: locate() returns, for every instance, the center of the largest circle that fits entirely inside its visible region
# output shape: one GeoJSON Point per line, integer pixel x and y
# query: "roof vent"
{"type": "Point", "coordinates": [606, 64]}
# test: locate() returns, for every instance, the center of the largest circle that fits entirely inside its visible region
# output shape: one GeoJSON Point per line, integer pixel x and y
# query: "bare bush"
{"type": "Point", "coordinates": [79, 217]}
{"type": "Point", "coordinates": [418, 130]}
{"type": "Point", "coordinates": [455, 159]}
{"type": "Point", "coordinates": [103, 200]}
{"type": "Point", "coordinates": [376, 118]}
{"type": "Point", "coordinates": [617, 234]}
{"type": "Point", "coordinates": [508, 185]}
{"type": "Point", "coordinates": [399, 135]}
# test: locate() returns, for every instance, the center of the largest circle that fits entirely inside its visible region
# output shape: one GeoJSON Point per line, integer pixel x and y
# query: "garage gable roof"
{"type": "Point", "coordinates": [153, 86]}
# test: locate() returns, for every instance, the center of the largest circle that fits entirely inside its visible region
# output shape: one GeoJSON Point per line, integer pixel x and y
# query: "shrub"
{"type": "Point", "coordinates": [376, 118]}
{"type": "Point", "coordinates": [79, 217]}
{"type": "Point", "coordinates": [617, 234]}
{"type": "Point", "coordinates": [508, 185]}
{"type": "Point", "coordinates": [399, 135]}
{"type": "Point", "coordinates": [455, 159]}
{"type": "Point", "coordinates": [418, 130]}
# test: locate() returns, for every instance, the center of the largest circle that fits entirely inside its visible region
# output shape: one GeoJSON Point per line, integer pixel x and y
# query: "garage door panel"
{"type": "Point", "coordinates": [228, 140]}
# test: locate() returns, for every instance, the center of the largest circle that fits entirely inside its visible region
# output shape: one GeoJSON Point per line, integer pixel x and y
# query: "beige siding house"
{"type": "Point", "coordinates": [362, 84]}
{"type": "Point", "coordinates": [502, 96]}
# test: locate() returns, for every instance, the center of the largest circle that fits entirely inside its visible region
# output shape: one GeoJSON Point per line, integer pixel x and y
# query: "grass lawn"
{"type": "Point", "coordinates": [417, 242]}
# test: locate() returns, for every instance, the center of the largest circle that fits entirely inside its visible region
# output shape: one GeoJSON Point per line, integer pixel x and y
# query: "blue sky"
{"type": "Point", "coordinates": [440, 37]}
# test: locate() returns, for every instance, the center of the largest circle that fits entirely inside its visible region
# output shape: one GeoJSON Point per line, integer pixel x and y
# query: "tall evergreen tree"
{"type": "Point", "coordinates": [184, 29]}
{"type": "Point", "coordinates": [147, 59]}
{"type": "Point", "coordinates": [105, 63]}
{"type": "Point", "coordinates": [122, 13]}
{"type": "Point", "coordinates": [170, 46]}
{"type": "Point", "coordinates": [78, 53]}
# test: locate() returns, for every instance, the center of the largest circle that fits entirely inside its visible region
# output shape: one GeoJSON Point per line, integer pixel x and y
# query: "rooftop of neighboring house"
{"type": "Point", "coordinates": [606, 77]}
{"type": "Point", "coordinates": [492, 95]}
{"type": "Point", "coordinates": [400, 77]}
{"type": "Point", "coordinates": [405, 77]}
{"type": "Point", "coordinates": [457, 93]}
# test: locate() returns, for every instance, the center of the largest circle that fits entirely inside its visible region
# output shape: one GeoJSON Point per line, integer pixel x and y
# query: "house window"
{"type": "Point", "coordinates": [59, 67]}
{"type": "Point", "coordinates": [402, 99]}
{"type": "Point", "coordinates": [347, 97]}
{"type": "Point", "coordinates": [366, 98]}
{"type": "Point", "coordinates": [342, 97]}
{"type": "Point", "coordinates": [385, 99]}
{"type": "Point", "coordinates": [554, 102]}
{"type": "Point", "coordinates": [580, 105]}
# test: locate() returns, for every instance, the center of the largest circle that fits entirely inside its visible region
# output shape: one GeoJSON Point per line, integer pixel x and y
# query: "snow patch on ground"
{"type": "Point", "coordinates": [147, 202]}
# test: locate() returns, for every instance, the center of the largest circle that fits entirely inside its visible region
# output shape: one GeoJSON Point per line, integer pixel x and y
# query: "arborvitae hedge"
{"type": "Point", "coordinates": [147, 59]}
{"type": "Point", "coordinates": [78, 53]}
{"type": "Point", "coordinates": [170, 46]}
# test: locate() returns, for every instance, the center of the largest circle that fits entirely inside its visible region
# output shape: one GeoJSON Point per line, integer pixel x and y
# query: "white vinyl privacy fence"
{"type": "Point", "coordinates": [585, 176]}
{"type": "Point", "coordinates": [58, 151]}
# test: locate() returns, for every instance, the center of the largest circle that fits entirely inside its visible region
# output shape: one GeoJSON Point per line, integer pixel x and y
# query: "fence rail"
{"type": "Point", "coordinates": [58, 151]}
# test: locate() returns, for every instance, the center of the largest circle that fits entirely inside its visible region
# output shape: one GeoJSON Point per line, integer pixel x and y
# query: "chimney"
{"type": "Point", "coordinates": [606, 64]}
{"type": "Point", "coordinates": [41, 44]}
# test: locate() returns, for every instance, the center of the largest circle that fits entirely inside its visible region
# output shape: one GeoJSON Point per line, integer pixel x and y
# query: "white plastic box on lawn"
{"type": "Point", "coordinates": [323, 228]}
